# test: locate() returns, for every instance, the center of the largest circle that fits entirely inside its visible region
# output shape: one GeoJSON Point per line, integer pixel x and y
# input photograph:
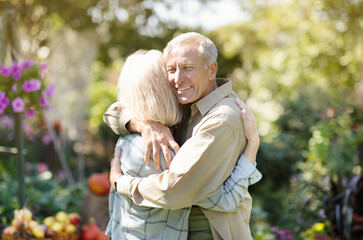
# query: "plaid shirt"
{"type": "Point", "coordinates": [130, 221]}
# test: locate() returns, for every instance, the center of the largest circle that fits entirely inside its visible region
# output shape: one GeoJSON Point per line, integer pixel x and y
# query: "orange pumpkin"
{"type": "Point", "coordinates": [99, 183]}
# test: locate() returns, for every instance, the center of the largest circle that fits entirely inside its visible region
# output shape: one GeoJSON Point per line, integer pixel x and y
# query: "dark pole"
{"type": "Point", "coordinates": [19, 143]}
{"type": "Point", "coordinates": [9, 30]}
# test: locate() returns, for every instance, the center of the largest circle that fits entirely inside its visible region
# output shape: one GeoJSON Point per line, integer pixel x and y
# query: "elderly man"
{"type": "Point", "coordinates": [215, 138]}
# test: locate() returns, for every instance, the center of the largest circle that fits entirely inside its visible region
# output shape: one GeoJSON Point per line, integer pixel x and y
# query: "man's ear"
{"type": "Point", "coordinates": [212, 70]}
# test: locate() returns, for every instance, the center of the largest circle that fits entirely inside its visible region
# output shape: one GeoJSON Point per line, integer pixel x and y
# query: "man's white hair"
{"type": "Point", "coordinates": [206, 48]}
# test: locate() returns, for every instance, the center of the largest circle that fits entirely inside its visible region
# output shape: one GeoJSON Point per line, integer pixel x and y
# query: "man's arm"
{"type": "Point", "coordinates": [201, 166]}
{"type": "Point", "coordinates": [231, 193]}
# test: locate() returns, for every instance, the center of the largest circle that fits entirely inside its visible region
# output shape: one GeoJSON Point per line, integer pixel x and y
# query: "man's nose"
{"type": "Point", "coordinates": [178, 79]}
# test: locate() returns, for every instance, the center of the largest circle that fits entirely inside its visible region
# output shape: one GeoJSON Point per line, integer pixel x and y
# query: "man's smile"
{"type": "Point", "coordinates": [183, 89]}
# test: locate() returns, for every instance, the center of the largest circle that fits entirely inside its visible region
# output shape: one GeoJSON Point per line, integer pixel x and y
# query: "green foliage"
{"type": "Point", "coordinates": [46, 194]}
{"type": "Point", "coordinates": [293, 62]}
{"type": "Point", "coordinates": [333, 147]}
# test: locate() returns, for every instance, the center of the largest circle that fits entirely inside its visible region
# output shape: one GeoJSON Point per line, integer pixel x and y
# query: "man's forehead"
{"type": "Point", "coordinates": [187, 53]}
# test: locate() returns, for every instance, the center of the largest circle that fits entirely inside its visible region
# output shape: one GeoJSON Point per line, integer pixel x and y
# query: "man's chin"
{"type": "Point", "coordinates": [184, 100]}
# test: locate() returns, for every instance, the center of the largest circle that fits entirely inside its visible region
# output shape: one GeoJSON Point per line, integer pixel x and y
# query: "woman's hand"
{"type": "Point", "coordinates": [251, 132]}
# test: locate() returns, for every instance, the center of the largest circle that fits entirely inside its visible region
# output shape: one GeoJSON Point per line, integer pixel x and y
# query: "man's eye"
{"type": "Point", "coordinates": [171, 70]}
{"type": "Point", "coordinates": [188, 68]}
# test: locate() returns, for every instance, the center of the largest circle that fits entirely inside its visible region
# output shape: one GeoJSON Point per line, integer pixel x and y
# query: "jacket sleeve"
{"type": "Point", "coordinates": [116, 117]}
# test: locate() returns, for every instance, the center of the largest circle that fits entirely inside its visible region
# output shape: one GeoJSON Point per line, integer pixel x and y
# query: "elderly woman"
{"type": "Point", "coordinates": [145, 92]}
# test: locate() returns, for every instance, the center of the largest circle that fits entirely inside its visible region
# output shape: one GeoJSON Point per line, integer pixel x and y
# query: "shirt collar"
{"type": "Point", "coordinates": [207, 102]}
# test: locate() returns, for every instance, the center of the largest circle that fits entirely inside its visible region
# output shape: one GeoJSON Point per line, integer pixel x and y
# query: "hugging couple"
{"type": "Point", "coordinates": [187, 150]}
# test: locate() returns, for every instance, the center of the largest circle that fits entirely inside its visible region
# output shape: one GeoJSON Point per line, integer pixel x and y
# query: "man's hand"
{"type": "Point", "coordinates": [156, 137]}
{"type": "Point", "coordinates": [115, 171]}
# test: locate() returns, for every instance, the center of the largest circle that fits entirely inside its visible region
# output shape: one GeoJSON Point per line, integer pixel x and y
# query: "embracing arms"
{"type": "Point", "coordinates": [194, 174]}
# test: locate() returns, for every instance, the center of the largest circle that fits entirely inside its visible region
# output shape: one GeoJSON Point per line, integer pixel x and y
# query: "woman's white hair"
{"type": "Point", "coordinates": [144, 90]}
{"type": "Point", "coordinates": [206, 48]}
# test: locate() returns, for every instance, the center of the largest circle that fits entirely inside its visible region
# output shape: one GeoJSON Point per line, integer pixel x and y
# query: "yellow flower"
{"type": "Point", "coordinates": [318, 227]}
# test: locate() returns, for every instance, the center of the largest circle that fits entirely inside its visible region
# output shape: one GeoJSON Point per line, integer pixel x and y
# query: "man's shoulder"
{"type": "Point", "coordinates": [226, 111]}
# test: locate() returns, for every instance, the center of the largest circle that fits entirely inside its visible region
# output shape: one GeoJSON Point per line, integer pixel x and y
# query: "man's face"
{"type": "Point", "coordinates": [187, 75]}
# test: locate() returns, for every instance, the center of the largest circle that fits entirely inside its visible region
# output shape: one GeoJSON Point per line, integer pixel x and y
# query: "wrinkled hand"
{"type": "Point", "coordinates": [115, 171]}
{"type": "Point", "coordinates": [249, 122]}
{"type": "Point", "coordinates": [158, 137]}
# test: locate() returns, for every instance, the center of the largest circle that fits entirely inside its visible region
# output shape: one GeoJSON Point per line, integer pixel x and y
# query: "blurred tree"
{"type": "Point", "coordinates": [292, 61]}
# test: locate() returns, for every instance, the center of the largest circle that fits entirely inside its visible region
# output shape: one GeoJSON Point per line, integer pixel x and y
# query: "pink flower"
{"type": "Point", "coordinates": [32, 85]}
{"type": "Point", "coordinates": [29, 113]}
{"type": "Point", "coordinates": [42, 167]}
{"type": "Point", "coordinates": [18, 104]}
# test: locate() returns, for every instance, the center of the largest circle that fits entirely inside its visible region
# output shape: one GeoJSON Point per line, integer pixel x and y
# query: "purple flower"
{"type": "Point", "coordinates": [42, 167]}
{"type": "Point", "coordinates": [26, 64]}
{"type": "Point", "coordinates": [32, 85]}
{"type": "Point", "coordinates": [4, 102]}
{"type": "Point", "coordinates": [18, 104]}
{"type": "Point", "coordinates": [29, 113]}
{"type": "Point", "coordinates": [5, 71]}
{"type": "Point", "coordinates": [47, 139]}
{"type": "Point", "coordinates": [43, 101]}
{"type": "Point", "coordinates": [50, 91]}
{"type": "Point", "coordinates": [14, 68]}
{"type": "Point", "coordinates": [27, 86]}
{"type": "Point", "coordinates": [17, 75]}
{"type": "Point", "coordinates": [15, 71]}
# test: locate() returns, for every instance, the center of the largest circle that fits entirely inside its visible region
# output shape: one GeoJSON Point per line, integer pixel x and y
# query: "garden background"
{"type": "Point", "coordinates": [297, 64]}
